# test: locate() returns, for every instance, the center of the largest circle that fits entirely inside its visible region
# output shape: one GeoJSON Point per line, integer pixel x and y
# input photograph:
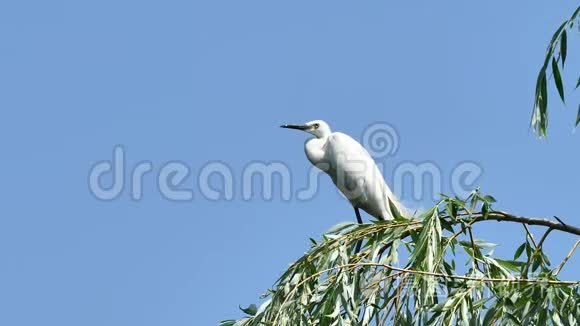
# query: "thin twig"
{"type": "Point", "coordinates": [559, 220]}
{"type": "Point", "coordinates": [543, 239]}
{"type": "Point", "coordinates": [570, 253]}
{"type": "Point", "coordinates": [471, 278]}
{"type": "Point", "coordinates": [530, 235]}
{"type": "Point", "coordinates": [473, 247]}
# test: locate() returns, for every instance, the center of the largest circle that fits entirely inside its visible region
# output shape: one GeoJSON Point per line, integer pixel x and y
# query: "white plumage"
{"type": "Point", "coordinates": [350, 167]}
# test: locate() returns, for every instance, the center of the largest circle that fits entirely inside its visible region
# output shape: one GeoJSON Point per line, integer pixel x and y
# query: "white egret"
{"type": "Point", "coordinates": [351, 168]}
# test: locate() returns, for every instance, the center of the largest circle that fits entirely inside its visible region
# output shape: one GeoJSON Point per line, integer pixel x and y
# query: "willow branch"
{"type": "Point", "coordinates": [503, 216]}
{"type": "Point", "coordinates": [499, 216]}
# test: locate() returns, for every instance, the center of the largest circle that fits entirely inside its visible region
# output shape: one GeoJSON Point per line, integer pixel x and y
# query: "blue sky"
{"type": "Point", "coordinates": [205, 81]}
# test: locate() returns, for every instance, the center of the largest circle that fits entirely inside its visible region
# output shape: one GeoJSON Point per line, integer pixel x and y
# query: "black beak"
{"type": "Point", "coordinates": [297, 127]}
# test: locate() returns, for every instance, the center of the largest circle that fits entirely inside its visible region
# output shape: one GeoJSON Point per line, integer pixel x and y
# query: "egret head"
{"type": "Point", "coordinates": [318, 128]}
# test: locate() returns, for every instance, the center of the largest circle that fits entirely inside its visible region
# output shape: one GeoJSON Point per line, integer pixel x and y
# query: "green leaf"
{"type": "Point", "coordinates": [578, 116]}
{"type": "Point", "coordinates": [536, 262]}
{"type": "Point", "coordinates": [513, 318]}
{"type": "Point", "coordinates": [451, 209]}
{"type": "Point", "coordinates": [563, 46]}
{"type": "Point", "coordinates": [519, 251]}
{"type": "Point", "coordinates": [528, 248]}
{"type": "Point", "coordinates": [510, 264]}
{"type": "Point", "coordinates": [542, 317]}
{"type": "Point", "coordinates": [339, 227]}
{"type": "Point", "coordinates": [544, 103]}
{"type": "Point", "coordinates": [250, 310]}
{"type": "Point", "coordinates": [489, 316]}
{"type": "Point", "coordinates": [556, 319]}
{"type": "Point", "coordinates": [394, 210]}
{"type": "Point", "coordinates": [485, 210]}
{"type": "Point", "coordinates": [558, 79]}
{"type": "Point", "coordinates": [578, 83]}
{"type": "Point", "coordinates": [540, 115]}
{"type": "Point", "coordinates": [464, 312]}
{"type": "Point", "coordinates": [545, 258]}
{"type": "Point", "coordinates": [575, 14]}
{"type": "Point", "coordinates": [479, 244]}
{"type": "Point", "coordinates": [489, 199]}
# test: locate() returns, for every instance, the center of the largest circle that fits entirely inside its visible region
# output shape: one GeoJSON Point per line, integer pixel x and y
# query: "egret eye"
{"type": "Point", "coordinates": [316, 125]}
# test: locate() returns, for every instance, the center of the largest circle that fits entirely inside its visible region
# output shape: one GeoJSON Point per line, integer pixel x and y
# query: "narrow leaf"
{"type": "Point", "coordinates": [489, 199]}
{"type": "Point", "coordinates": [485, 210]}
{"type": "Point", "coordinates": [575, 14]}
{"type": "Point", "coordinates": [394, 211]}
{"type": "Point", "coordinates": [558, 79]}
{"type": "Point", "coordinates": [251, 310]}
{"type": "Point", "coordinates": [540, 114]}
{"type": "Point", "coordinates": [544, 105]}
{"type": "Point", "coordinates": [489, 316]}
{"type": "Point", "coordinates": [339, 227]}
{"type": "Point", "coordinates": [519, 251]}
{"type": "Point", "coordinates": [510, 264]}
{"type": "Point", "coordinates": [563, 46]}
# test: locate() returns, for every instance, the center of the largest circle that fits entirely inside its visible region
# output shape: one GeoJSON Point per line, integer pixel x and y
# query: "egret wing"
{"type": "Point", "coordinates": [353, 169]}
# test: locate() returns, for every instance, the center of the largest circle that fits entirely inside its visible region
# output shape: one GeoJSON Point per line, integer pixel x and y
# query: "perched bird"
{"type": "Point", "coordinates": [351, 168]}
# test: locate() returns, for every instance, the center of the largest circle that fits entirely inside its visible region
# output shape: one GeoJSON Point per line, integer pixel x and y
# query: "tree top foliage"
{"type": "Point", "coordinates": [427, 270]}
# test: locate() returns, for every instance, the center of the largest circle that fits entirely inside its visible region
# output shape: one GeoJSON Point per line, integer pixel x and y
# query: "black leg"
{"type": "Point", "coordinates": [359, 220]}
